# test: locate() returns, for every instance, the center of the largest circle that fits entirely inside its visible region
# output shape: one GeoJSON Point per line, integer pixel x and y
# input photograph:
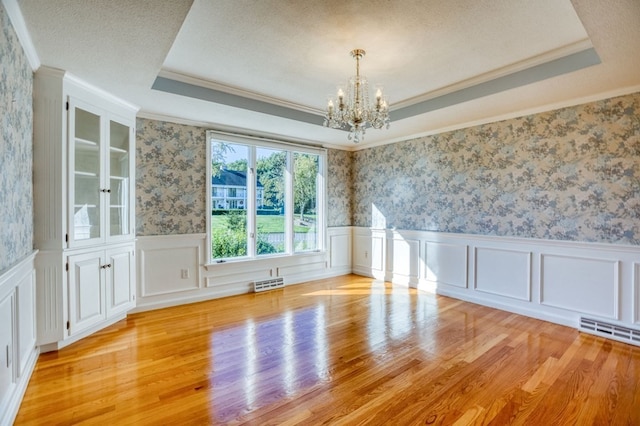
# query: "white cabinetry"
{"type": "Point", "coordinates": [84, 168]}
{"type": "Point", "coordinates": [100, 286]}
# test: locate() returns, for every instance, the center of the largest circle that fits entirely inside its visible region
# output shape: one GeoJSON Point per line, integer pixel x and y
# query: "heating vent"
{"type": "Point", "coordinates": [268, 284]}
{"type": "Point", "coordinates": [616, 332]}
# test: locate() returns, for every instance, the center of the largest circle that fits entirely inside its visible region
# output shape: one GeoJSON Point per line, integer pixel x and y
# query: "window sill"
{"type": "Point", "coordinates": [268, 261]}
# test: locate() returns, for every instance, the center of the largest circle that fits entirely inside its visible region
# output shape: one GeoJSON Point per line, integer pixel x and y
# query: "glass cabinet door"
{"type": "Point", "coordinates": [85, 189]}
{"type": "Point", "coordinates": [119, 179]}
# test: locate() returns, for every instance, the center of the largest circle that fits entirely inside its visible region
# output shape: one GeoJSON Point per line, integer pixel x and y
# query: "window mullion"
{"type": "Point", "coordinates": [251, 203]}
{"type": "Point", "coordinates": [321, 208]}
{"type": "Point", "coordinates": [289, 234]}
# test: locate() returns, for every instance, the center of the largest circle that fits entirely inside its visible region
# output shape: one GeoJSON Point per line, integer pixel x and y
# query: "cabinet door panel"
{"type": "Point", "coordinates": [6, 348]}
{"type": "Point", "coordinates": [86, 291]}
{"type": "Point", "coordinates": [120, 282]}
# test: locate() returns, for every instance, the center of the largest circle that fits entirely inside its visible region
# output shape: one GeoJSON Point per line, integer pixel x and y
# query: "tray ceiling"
{"type": "Point", "coordinates": [267, 67]}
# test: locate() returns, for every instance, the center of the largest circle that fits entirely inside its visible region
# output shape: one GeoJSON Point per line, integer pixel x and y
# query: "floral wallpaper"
{"type": "Point", "coordinates": [339, 187]}
{"type": "Point", "coordinates": [16, 154]}
{"type": "Point", "coordinates": [570, 174]}
{"type": "Point", "coordinates": [170, 178]}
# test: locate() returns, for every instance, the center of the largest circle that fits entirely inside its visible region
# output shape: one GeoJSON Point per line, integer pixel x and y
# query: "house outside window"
{"type": "Point", "coordinates": [229, 190]}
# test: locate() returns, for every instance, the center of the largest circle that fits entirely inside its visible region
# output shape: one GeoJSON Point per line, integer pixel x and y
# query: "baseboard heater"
{"type": "Point", "coordinates": [612, 331]}
{"type": "Point", "coordinates": [265, 285]}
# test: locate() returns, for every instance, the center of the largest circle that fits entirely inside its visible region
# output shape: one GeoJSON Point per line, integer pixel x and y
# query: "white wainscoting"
{"type": "Point", "coordinates": [18, 350]}
{"type": "Point", "coordinates": [503, 272]}
{"type": "Point", "coordinates": [557, 281]}
{"type": "Point", "coordinates": [583, 284]}
{"type": "Point", "coordinates": [172, 269]}
{"type": "Point", "coordinates": [445, 263]}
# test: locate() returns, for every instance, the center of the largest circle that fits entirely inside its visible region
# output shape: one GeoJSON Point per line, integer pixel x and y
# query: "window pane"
{"type": "Point", "coordinates": [305, 200]}
{"type": "Point", "coordinates": [271, 166]}
{"type": "Point", "coordinates": [228, 199]}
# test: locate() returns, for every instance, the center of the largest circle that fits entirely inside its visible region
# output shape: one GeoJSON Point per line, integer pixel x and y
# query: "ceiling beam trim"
{"type": "Point", "coordinates": [553, 68]}
{"type": "Point", "coordinates": [176, 87]}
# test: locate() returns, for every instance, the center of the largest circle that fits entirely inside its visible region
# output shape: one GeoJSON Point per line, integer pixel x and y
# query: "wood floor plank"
{"type": "Point", "coordinates": [347, 350]}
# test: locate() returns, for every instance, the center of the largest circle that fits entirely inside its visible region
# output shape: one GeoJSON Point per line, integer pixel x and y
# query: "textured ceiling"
{"type": "Point", "coordinates": [266, 67]}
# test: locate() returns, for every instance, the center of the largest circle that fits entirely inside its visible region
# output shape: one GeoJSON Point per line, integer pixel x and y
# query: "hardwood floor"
{"type": "Point", "coordinates": [344, 351]}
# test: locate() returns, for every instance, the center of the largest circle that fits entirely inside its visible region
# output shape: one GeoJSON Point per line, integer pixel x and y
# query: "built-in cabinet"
{"type": "Point", "coordinates": [84, 160]}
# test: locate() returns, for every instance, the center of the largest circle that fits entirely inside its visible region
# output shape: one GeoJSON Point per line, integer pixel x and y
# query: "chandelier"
{"type": "Point", "coordinates": [353, 109]}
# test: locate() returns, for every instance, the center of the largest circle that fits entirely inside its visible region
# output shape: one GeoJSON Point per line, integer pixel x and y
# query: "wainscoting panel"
{"type": "Point", "coordinates": [557, 281]}
{"type": "Point", "coordinates": [309, 267]}
{"type": "Point", "coordinates": [445, 264]}
{"type": "Point", "coordinates": [377, 253]}
{"type": "Point", "coordinates": [636, 293]}
{"type": "Point", "coordinates": [406, 260]}
{"type": "Point", "coordinates": [503, 272]}
{"type": "Point", "coordinates": [246, 275]}
{"type": "Point", "coordinates": [369, 252]}
{"type": "Point", "coordinates": [361, 252]}
{"type": "Point", "coordinates": [340, 249]}
{"type": "Point", "coordinates": [162, 270]}
{"type": "Point", "coordinates": [587, 285]}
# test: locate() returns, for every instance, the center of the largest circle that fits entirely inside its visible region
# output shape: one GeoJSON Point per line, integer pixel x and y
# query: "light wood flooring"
{"type": "Point", "coordinates": [342, 351]}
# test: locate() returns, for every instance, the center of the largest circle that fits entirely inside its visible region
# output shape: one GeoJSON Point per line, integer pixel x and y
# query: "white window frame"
{"type": "Point", "coordinates": [321, 209]}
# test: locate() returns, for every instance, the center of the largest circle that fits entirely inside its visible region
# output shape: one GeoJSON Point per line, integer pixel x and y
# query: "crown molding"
{"type": "Point", "coordinates": [78, 82]}
{"type": "Point", "coordinates": [20, 27]}
{"type": "Point", "coordinates": [221, 128]}
{"type": "Point", "coordinates": [552, 55]}
{"type": "Point", "coordinates": [236, 91]}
